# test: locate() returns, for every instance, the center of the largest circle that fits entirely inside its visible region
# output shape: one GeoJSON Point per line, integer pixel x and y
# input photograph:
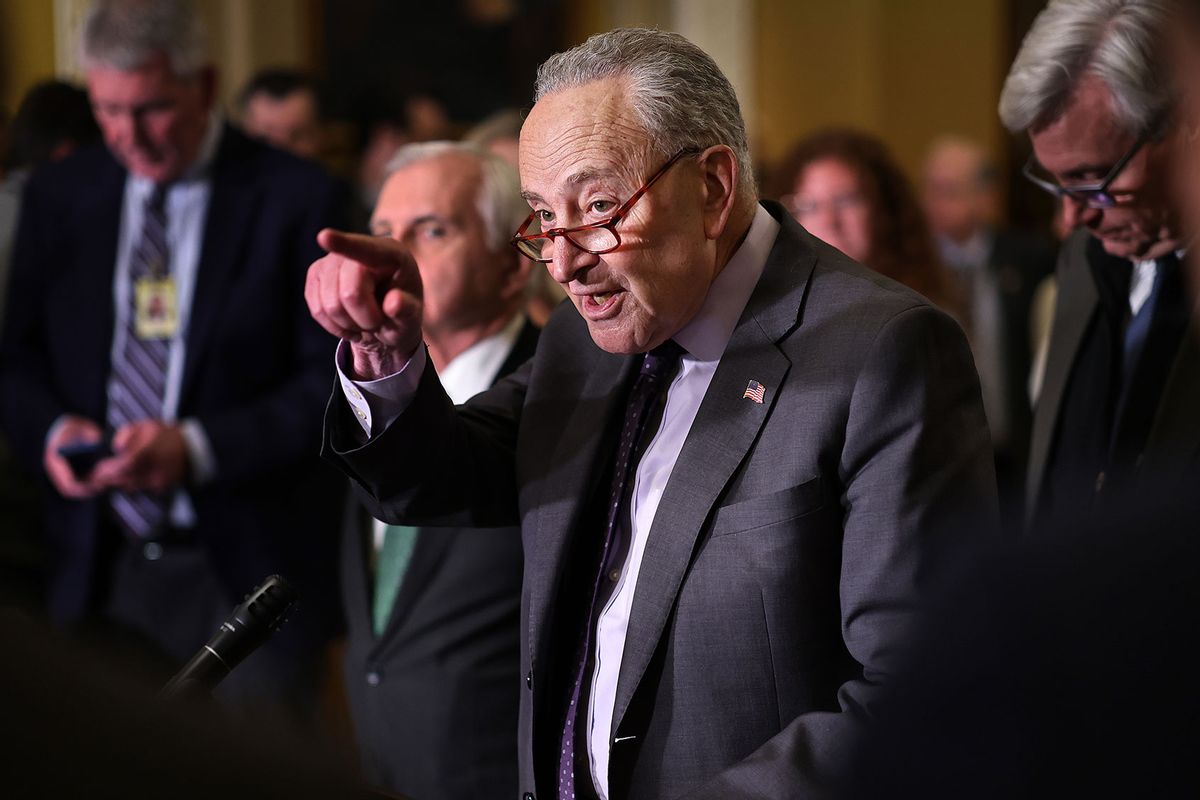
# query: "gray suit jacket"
{"type": "Point", "coordinates": [792, 542]}
{"type": "Point", "coordinates": [1174, 441]}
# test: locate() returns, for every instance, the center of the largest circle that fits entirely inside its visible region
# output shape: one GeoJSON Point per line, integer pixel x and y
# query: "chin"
{"type": "Point", "coordinates": [1125, 248]}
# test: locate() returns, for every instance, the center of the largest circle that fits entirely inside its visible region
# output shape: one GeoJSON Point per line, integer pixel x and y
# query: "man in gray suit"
{"type": "Point", "coordinates": [737, 458]}
{"type": "Point", "coordinates": [1117, 407]}
{"type": "Point", "coordinates": [432, 615]}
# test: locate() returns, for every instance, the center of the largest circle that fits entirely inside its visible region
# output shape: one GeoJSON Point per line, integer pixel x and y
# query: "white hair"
{"type": "Point", "coordinates": [1118, 41]}
{"type": "Point", "coordinates": [125, 34]}
{"type": "Point", "coordinates": [500, 203]}
{"type": "Point", "coordinates": [678, 92]}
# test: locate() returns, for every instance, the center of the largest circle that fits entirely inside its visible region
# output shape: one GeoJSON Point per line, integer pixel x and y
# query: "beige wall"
{"type": "Point", "coordinates": [245, 35]}
{"type": "Point", "coordinates": [906, 70]}
{"type": "Point", "coordinates": [26, 47]}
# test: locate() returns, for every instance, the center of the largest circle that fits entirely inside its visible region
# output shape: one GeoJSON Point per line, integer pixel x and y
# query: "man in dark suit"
{"type": "Point", "coordinates": [999, 271]}
{"type": "Point", "coordinates": [433, 648]}
{"type": "Point", "coordinates": [736, 459]}
{"type": "Point", "coordinates": [159, 282]}
{"type": "Point", "coordinates": [1122, 380]}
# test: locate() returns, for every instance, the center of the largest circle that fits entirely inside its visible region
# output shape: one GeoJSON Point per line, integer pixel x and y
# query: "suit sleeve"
{"type": "Point", "coordinates": [436, 465]}
{"type": "Point", "coordinates": [919, 492]}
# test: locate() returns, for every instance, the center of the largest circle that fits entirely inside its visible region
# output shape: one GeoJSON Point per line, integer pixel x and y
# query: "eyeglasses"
{"type": "Point", "coordinates": [596, 238]}
{"type": "Point", "coordinates": [1093, 195]}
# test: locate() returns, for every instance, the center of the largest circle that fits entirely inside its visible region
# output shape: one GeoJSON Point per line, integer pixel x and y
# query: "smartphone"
{"type": "Point", "coordinates": [82, 457]}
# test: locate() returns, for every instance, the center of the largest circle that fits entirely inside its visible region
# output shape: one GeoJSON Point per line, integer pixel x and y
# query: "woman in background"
{"type": "Point", "coordinates": [844, 187]}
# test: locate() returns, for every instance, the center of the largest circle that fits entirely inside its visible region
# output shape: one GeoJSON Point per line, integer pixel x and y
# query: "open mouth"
{"type": "Point", "coordinates": [601, 304]}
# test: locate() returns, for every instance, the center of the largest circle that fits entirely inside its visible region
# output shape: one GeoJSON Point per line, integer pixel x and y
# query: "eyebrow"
{"type": "Point", "coordinates": [421, 220]}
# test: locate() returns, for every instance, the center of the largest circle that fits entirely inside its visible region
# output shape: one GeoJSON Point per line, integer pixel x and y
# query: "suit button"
{"type": "Point", "coordinates": [373, 678]}
{"type": "Point", "coordinates": [527, 796]}
{"type": "Point", "coordinates": [529, 680]}
{"type": "Point", "coordinates": [152, 551]}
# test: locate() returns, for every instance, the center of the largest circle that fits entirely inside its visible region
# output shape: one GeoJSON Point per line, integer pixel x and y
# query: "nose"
{"type": "Point", "coordinates": [568, 260]}
{"type": "Point", "coordinates": [1077, 213]}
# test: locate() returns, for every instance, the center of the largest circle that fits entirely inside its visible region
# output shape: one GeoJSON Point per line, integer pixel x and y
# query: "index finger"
{"type": "Point", "coordinates": [376, 253]}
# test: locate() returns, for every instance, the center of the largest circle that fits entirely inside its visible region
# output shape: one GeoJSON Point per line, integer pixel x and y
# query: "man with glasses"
{"type": "Point", "coordinates": [737, 457]}
{"type": "Point", "coordinates": [1117, 405]}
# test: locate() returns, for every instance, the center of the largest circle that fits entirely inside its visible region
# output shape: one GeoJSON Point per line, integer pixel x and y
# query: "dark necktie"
{"type": "Point", "coordinates": [643, 413]}
{"type": "Point", "coordinates": [139, 373]}
{"type": "Point", "coordinates": [1139, 324]}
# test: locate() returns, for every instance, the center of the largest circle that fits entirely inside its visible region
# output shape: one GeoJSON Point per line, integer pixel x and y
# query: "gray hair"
{"type": "Point", "coordinates": [678, 92]}
{"type": "Point", "coordinates": [500, 203]}
{"type": "Point", "coordinates": [125, 34]}
{"type": "Point", "coordinates": [1118, 41]}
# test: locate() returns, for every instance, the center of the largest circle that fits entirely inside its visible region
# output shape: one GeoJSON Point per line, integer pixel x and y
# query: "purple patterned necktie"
{"type": "Point", "coordinates": [643, 412]}
{"type": "Point", "coordinates": [139, 374]}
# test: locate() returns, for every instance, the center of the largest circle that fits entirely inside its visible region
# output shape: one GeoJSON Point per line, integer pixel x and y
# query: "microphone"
{"type": "Point", "coordinates": [247, 628]}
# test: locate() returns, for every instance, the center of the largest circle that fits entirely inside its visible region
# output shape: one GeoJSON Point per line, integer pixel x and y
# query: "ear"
{"type": "Point", "coordinates": [720, 173]}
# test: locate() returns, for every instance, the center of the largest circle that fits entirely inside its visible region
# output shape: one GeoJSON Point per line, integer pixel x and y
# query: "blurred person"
{"type": "Point", "coordinates": [418, 118]}
{"type": "Point", "coordinates": [1058, 666]}
{"type": "Point", "coordinates": [733, 457]}
{"type": "Point", "coordinates": [844, 187]}
{"type": "Point", "coordinates": [53, 120]}
{"type": "Point", "coordinates": [998, 272]}
{"type": "Point", "coordinates": [433, 615]}
{"type": "Point", "coordinates": [144, 268]}
{"type": "Point", "coordinates": [499, 134]}
{"type": "Point", "coordinates": [1116, 411]}
{"type": "Point", "coordinates": [1066, 694]}
{"type": "Point", "coordinates": [282, 107]}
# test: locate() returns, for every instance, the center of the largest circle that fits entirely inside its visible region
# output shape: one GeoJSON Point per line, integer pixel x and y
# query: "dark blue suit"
{"type": "Point", "coordinates": [255, 376]}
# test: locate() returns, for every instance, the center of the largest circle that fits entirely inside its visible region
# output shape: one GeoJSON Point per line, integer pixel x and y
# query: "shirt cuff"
{"type": "Point", "coordinates": [376, 404]}
{"type": "Point", "coordinates": [200, 454]}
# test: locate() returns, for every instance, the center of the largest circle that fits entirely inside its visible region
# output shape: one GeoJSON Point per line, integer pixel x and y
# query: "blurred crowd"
{"type": "Point", "coordinates": [163, 386]}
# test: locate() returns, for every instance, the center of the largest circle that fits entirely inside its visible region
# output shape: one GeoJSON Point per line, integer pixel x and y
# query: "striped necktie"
{"type": "Point", "coordinates": [139, 373]}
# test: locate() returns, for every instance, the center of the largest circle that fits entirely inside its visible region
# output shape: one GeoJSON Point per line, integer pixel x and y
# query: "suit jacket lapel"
{"type": "Point", "coordinates": [1076, 304]}
{"type": "Point", "coordinates": [428, 553]}
{"type": "Point", "coordinates": [725, 428]}
{"type": "Point", "coordinates": [230, 216]}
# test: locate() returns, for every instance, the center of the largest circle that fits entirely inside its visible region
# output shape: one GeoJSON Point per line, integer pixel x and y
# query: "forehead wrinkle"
{"type": "Point", "coordinates": [577, 137]}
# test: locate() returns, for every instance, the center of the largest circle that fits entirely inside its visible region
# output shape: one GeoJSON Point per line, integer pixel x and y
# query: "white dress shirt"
{"type": "Point", "coordinates": [377, 403]}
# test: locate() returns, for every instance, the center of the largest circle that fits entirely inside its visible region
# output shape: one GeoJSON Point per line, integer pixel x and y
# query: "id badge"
{"type": "Point", "coordinates": [157, 314]}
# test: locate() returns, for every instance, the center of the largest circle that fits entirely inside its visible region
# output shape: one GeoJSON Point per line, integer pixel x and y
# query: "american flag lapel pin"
{"type": "Point", "coordinates": [754, 391]}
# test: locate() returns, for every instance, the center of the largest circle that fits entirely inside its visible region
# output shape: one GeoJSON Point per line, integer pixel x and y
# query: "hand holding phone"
{"type": "Point", "coordinates": [82, 457]}
{"type": "Point", "coordinates": [67, 431]}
